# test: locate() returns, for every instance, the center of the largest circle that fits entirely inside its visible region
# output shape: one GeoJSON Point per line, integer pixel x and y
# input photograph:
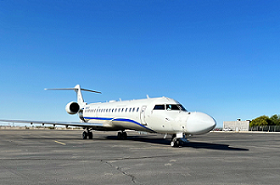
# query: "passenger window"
{"type": "Point", "coordinates": [129, 109]}
{"type": "Point", "coordinates": [159, 107]}
{"type": "Point", "coordinates": [126, 109]}
{"type": "Point", "coordinates": [137, 109]}
{"type": "Point", "coordinates": [133, 109]}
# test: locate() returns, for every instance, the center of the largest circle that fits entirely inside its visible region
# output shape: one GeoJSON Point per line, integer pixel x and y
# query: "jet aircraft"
{"type": "Point", "coordinates": [154, 115]}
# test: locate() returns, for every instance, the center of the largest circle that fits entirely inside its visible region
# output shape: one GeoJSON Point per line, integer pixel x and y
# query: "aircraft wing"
{"type": "Point", "coordinates": [77, 124]}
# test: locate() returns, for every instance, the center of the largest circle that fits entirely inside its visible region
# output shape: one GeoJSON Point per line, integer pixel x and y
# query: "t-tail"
{"type": "Point", "coordinates": [75, 107]}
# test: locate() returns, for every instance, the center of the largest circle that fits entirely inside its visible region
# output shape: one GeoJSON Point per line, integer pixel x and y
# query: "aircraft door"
{"type": "Point", "coordinates": [142, 115]}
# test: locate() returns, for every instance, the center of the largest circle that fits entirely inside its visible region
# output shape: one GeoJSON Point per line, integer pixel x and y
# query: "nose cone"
{"type": "Point", "coordinates": [200, 123]}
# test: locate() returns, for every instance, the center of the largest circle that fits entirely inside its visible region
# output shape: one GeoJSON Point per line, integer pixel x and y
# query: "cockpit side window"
{"type": "Point", "coordinates": [159, 107]}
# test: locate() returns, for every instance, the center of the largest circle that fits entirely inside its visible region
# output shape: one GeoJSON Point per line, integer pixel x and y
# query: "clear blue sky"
{"type": "Point", "coordinates": [218, 57]}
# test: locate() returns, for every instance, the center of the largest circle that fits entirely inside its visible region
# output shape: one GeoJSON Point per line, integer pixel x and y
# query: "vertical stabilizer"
{"type": "Point", "coordinates": [80, 99]}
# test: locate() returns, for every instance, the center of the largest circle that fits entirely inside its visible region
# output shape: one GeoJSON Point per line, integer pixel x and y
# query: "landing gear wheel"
{"type": "Point", "coordinates": [84, 135]}
{"type": "Point", "coordinates": [119, 135]}
{"type": "Point", "coordinates": [175, 142]}
{"type": "Point", "coordinates": [122, 135]}
{"type": "Point", "coordinates": [89, 135]}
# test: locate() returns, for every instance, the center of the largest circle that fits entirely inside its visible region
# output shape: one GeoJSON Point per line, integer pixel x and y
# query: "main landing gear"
{"type": "Point", "coordinates": [122, 135]}
{"type": "Point", "coordinates": [87, 134]}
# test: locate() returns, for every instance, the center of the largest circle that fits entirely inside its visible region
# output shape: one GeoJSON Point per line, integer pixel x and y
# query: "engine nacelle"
{"type": "Point", "coordinates": [72, 108]}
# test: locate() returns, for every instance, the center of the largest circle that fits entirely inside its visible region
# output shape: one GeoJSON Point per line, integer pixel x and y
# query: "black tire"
{"type": "Point", "coordinates": [124, 134]}
{"type": "Point", "coordinates": [84, 135]}
{"type": "Point", "coordinates": [119, 135]}
{"type": "Point", "coordinates": [175, 142]}
{"type": "Point", "coordinates": [89, 135]}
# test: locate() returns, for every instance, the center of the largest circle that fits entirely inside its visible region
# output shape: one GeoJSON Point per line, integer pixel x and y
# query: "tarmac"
{"type": "Point", "coordinates": [33, 157]}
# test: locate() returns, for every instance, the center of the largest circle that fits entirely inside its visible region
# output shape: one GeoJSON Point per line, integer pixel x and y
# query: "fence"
{"type": "Point", "coordinates": [267, 128]}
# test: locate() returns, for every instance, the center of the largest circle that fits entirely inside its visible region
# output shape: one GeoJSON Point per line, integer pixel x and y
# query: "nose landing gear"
{"type": "Point", "coordinates": [178, 141]}
{"type": "Point", "coordinates": [175, 142]}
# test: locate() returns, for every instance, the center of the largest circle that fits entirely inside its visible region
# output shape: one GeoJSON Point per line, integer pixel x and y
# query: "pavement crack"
{"type": "Point", "coordinates": [133, 178]}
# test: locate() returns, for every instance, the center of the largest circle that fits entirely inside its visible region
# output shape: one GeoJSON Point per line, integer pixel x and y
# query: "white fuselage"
{"type": "Point", "coordinates": [159, 115]}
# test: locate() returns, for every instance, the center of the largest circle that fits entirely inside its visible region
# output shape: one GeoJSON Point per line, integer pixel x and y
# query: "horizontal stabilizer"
{"type": "Point", "coordinates": [78, 90]}
{"type": "Point", "coordinates": [73, 89]}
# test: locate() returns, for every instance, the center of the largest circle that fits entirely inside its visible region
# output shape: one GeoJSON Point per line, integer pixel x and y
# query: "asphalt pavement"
{"type": "Point", "coordinates": [33, 157]}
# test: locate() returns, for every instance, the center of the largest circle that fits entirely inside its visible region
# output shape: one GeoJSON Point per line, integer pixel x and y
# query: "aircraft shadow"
{"type": "Point", "coordinates": [213, 146]}
{"type": "Point", "coordinates": [197, 145]}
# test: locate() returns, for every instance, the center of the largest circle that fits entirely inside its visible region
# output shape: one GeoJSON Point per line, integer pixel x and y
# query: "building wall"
{"type": "Point", "coordinates": [236, 125]}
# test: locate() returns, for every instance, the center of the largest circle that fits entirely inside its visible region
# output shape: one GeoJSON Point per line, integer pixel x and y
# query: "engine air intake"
{"type": "Point", "coordinates": [72, 108]}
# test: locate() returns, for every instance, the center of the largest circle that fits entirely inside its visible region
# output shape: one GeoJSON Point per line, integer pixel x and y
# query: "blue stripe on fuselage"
{"type": "Point", "coordinates": [98, 118]}
{"type": "Point", "coordinates": [119, 119]}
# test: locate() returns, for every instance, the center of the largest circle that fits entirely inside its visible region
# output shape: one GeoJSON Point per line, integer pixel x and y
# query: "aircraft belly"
{"type": "Point", "coordinates": [130, 124]}
{"type": "Point", "coordinates": [106, 123]}
{"type": "Point", "coordinates": [117, 124]}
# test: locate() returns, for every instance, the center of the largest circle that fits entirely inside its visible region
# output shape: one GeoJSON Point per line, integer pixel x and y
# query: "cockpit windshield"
{"type": "Point", "coordinates": [181, 107]}
{"type": "Point", "coordinates": [170, 107]}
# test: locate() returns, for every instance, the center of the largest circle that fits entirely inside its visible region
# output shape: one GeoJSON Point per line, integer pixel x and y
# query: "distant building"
{"type": "Point", "coordinates": [236, 125]}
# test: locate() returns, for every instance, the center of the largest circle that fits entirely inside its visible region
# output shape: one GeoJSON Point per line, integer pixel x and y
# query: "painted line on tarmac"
{"type": "Point", "coordinates": [60, 143]}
